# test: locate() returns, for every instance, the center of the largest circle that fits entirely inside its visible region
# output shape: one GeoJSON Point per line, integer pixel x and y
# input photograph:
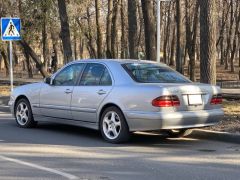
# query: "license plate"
{"type": "Point", "coordinates": [195, 99]}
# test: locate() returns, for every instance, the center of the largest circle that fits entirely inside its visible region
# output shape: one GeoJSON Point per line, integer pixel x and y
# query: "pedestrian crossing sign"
{"type": "Point", "coordinates": [10, 29]}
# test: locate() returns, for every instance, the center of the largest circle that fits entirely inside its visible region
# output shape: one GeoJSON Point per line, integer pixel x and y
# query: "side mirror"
{"type": "Point", "coordinates": [48, 80]}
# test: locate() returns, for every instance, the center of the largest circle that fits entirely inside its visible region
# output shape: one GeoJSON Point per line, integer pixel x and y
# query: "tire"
{"type": "Point", "coordinates": [179, 133]}
{"type": "Point", "coordinates": [113, 126]}
{"type": "Point", "coordinates": [23, 114]}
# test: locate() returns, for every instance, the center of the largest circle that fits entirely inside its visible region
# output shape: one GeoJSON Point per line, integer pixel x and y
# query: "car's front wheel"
{"type": "Point", "coordinates": [23, 114]}
{"type": "Point", "coordinates": [113, 126]}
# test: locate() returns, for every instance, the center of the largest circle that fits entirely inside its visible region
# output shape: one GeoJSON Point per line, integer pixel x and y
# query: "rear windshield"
{"type": "Point", "coordinates": [153, 73]}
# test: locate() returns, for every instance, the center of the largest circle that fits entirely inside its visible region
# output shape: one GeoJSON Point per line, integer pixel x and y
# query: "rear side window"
{"type": "Point", "coordinates": [106, 78]}
{"type": "Point", "coordinates": [95, 75]}
{"type": "Point", "coordinates": [153, 73]}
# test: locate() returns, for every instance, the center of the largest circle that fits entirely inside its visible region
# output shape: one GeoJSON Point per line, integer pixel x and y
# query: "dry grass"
{"type": "Point", "coordinates": [231, 120]}
{"type": "Point", "coordinates": [5, 90]}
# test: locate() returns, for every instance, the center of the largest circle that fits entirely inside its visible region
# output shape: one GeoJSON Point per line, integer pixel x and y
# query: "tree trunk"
{"type": "Point", "coordinates": [75, 44]}
{"type": "Point", "coordinates": [234, 43]}
{"type": "Point", "coordinates": [109, 26]}
{"type": "Point", "coordinates": [29, 67]}
{"type": "Point", "coordinates": [16, 60]}
{"type": "Point", "coordinates": [99, 31]}
{"type": "Point", "coordinates": [207, 41]}
{"type": "Point", "coordinates": [34, 56]}
{"type": "Point", "coordinates": [114, 30]}
{"type": "Point", "coordinates": [171, 61]}
{"type": "Point", "coordinates": [191, 38]}
{"type": "Point", "coordinates": [227, 53]}
{"type": "Point", "coordinates": [65, 32]}
{"type": "Point", "coordinates": [222, 32]}
{"type": "Point", "coordinates": [123, 28]}
{"type": "Point", "coordinates": [55, 48]}
{"type": "Point", "coordinates": [44, 34]}
{"type": "Point", "coordinates": [132, 29]}
{"type": "Point", "coordinates": [89, 36]}
{"type": "Point", "coordinates": [166, 34]}
{"type": "Point", "coordinates": [81, 47]}
{"type": "Point", "coordinates": [239, 54]}
{"type": "Point", "coordinates": [179, 48]}
{"type": "Point", "coordinates": [150, 29]}
{"type": "Point", "coordinates": [6, 62]}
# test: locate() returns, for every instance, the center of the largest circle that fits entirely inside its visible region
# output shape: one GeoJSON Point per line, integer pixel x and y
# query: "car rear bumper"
{"type": "Point", "coordinates": [142, 121]}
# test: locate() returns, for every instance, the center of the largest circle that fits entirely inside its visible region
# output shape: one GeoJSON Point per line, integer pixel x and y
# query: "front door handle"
{"type": "Point", "coordinates": [101, 92]}
{"type": "Point", "coordinates": [68, 91]}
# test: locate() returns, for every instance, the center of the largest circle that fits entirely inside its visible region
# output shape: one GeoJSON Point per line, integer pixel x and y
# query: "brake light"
{"type": "Point", "coordinates": [216, 99]}
{"type": "Point", "coordinates": [166, 101]}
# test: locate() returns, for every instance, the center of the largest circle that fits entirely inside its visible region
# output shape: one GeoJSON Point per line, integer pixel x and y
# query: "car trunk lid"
{"type": "Point", "coordinates": [192, 97]}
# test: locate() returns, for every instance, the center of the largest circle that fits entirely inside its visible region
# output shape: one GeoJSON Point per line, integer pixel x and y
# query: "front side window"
{"type": "Point", "coordinates": [95, 75]}
{"type": "Point", "coordinates": [153, 73]}
{"type": "Point", "coordinates": [69, 75]}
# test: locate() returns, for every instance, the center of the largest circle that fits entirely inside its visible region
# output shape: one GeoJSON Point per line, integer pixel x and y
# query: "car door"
{"type": "Point", "coordinates": [55, 99]}
{"type": "Point", "coordinates": [94, 86]}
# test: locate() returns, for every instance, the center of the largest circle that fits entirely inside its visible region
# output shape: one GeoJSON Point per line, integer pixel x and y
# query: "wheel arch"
{"type": "Point", "coordinates": [104, 107]}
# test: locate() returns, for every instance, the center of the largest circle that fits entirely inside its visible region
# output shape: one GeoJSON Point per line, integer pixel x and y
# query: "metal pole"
{"type": "Point", "coordinates": [158, 30]}
{"type": "Point", "coordinates": [11, 65]}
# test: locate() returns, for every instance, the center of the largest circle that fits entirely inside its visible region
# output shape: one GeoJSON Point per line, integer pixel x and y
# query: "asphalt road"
{"type": "Point", "coordinates": [65, 152]}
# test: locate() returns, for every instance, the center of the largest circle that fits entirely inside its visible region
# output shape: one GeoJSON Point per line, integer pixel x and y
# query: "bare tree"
{"type": "Point", "coordinates": [150, 29]}
{"type": "Point", "coordinates": [179, 49]}
{"type": "Point", "coordinates": [108, 28]}
{"type": "Point", "coordinates": [65, 32]}
{"type": "Point", "coordinates": [191, 37]}
{"type": "Point", "coordinates": [114, 29]}
{"type": "Point", "coordinates": [34, 56]}
{"type": "Point", "coordinates": [99, 31]}
{"type": "Point", "coordinates": [207, 41]}
{"type": "Point", "coordinates": [44, 33]}
{"type": "Point", "coordinates": [5, 59]}
{"type": "Point", "coordinates": [124, 46]}
{"type": "Point", "coordinates": [132, 28]}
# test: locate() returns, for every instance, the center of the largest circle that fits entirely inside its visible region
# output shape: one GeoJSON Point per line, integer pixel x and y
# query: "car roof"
{"type": "Point", "coordinates": [120, 61]}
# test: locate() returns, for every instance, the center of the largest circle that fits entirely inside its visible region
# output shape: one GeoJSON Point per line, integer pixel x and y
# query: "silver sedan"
{"type": "Point", "coordinates": [118, 97]}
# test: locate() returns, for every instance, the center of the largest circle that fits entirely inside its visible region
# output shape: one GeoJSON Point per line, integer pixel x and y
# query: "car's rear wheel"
{"type": "Point", "coordinates": [23, 114]}
{"type": "Point", "coordinates": [113, 126]}
{"type": "Point", "coordinates": [179, 133]}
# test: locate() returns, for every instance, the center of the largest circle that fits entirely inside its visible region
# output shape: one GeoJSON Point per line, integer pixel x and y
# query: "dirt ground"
{"type": "Point", "coordinates": [230, 122]}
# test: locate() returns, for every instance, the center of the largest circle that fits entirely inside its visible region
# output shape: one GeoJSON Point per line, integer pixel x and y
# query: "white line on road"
{"type": "Point", "coordinates": [54, 171]}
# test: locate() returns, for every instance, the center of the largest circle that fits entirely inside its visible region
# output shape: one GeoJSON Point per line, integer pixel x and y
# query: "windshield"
{"type": "Point", "coordinates": [153, 73]}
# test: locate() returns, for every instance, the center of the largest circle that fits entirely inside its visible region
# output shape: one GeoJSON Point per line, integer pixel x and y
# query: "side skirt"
{"type": "Point", "coordinates": [86, 124]}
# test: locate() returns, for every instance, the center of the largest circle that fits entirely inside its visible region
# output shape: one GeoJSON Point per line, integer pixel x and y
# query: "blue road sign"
{"type": "Point", "coordinates": [10, 29]}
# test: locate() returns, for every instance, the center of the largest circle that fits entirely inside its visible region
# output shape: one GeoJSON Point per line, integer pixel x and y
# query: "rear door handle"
{"type": "Point", "coordinates": [68, 91]}
{"type": "Point", "coordinates": [101, 92]}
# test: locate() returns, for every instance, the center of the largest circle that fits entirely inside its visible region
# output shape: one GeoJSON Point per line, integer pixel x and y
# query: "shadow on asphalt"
{"type": "Point", "coordinates": [58, 134]}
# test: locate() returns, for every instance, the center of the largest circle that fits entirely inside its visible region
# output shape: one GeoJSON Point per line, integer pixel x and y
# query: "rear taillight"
{"type": "Point", "coordinates": [166, 101]}
{"type": "Point", "coordinates": [216, 99]}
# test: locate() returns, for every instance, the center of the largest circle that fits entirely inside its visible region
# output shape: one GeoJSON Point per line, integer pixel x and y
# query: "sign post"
{"type": "Point", "coordinates": [10, 31]}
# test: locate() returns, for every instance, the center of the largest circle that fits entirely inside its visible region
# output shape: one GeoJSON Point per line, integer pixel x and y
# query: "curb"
{"type": "Point", "coordinates": [4, 108]}
{"type": "Point", "coordinates": [215, 135]}
{"type": "Point", "coordinates": [4, 103]}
